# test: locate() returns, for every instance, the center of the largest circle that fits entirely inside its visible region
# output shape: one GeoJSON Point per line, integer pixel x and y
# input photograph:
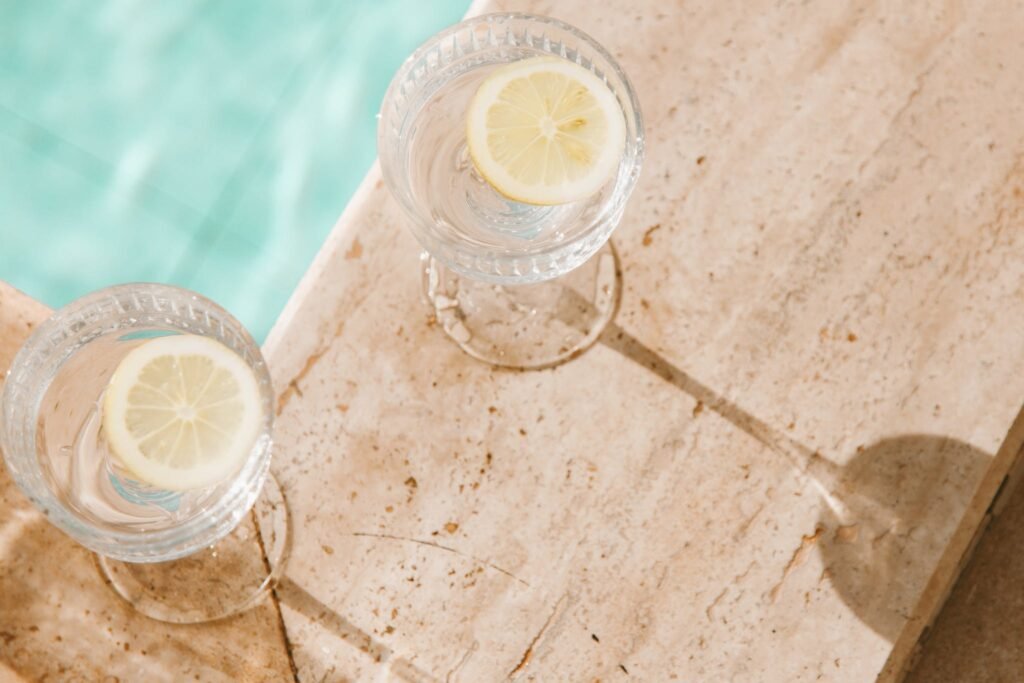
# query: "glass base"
{"type": "Point", "coordinates": [526, 326]}
{"type": "Point", "coordinates": [224, 579]}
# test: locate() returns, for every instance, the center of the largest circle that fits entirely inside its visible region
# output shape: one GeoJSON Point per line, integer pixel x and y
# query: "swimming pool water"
{"type": "Point", "coordinates": [210, 145]}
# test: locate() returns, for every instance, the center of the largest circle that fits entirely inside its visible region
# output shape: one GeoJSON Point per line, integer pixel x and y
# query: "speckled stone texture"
{"type": "Point", "coordinates": [771, 466]}
{"type": "Point", "coordinates": [60, 622]}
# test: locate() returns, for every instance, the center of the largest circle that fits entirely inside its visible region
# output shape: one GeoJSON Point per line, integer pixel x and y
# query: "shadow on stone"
{"type": "Point", "coordinates": [887, 515]}
{"type": "Point", "coordinates": [903, 497]}
{"type": "Point", "coordinates": [60, 621]}
{"type": "Point", "coordinates": [298, 598]}
{"type": "Point", "coordinates": [617, 339]}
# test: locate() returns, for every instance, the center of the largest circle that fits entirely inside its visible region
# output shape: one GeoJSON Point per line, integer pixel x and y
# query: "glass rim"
{"type": "Point", "coordinates": [152, 545]}
{"type": "Point", "coordinates": [628, 96]}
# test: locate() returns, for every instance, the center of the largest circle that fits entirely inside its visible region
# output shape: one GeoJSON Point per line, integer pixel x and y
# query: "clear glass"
{"type": "Point", "coordinates": [54, 447]}
{"type": "Point", "coordinates": [488, 255]}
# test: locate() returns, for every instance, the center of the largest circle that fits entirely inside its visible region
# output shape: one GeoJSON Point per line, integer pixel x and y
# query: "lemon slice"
{"type": "Point", "coordinates": [545, 131]}
{"type": "Point", "coordinates": [182, 412]}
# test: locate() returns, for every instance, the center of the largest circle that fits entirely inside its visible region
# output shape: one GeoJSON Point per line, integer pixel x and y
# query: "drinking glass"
{"type": "Point", "coordinates": [175, 556]}
{"type": "Point", "coordinates": [513, 284]}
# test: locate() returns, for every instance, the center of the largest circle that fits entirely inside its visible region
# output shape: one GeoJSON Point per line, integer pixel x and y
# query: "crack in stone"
{"type": "Point", "coordinates": [462, 662]}
{"type": "Point", "coordinates": [524, 661]}
{"type": "Point", "coordinates": [714, 603]}
{"type": "Point", "coordinates": [799, 557]}
{"type": "Point", "coordinates": [491, 565]}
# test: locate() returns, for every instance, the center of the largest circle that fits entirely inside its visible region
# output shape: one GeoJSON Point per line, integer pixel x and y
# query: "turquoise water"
{"type": "Point", "coordinates": [206, 144]}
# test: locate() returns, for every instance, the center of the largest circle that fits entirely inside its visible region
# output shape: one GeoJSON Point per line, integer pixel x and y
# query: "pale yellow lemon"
{"type": "Point", "coordinates": [182, 412]}
{"type": "Point", "coordinates": [545, 130]}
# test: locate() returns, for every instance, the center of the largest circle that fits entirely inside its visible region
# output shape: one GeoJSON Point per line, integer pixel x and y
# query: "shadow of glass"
{"type": "Point", "coordinates": [886, 515]}
{"type": "Point", "coordinates": [903, 498]}
{"type": "Point", "coordinates": [298, 598]}
{"type": "Point", "coordinates": [60, 621]}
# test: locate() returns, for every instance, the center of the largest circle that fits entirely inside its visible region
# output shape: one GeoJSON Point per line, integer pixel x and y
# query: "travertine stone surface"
{"type": "Point", "coordinates": [60, 622]}
{"type": "Point", "coordinates": [770, 468]}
